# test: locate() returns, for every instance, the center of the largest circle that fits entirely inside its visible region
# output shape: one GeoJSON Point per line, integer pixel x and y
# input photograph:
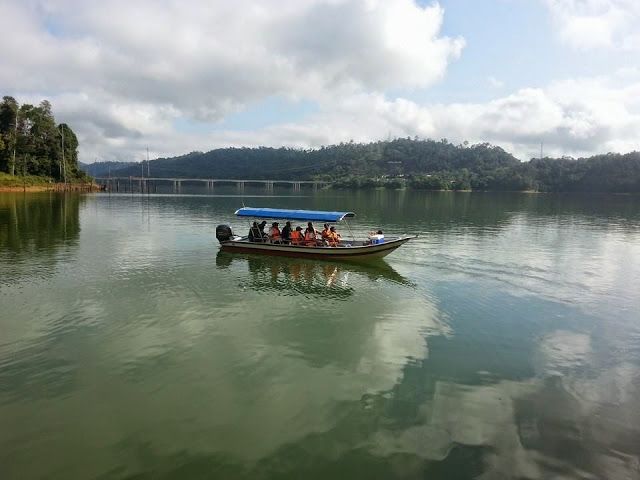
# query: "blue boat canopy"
{"type": "Point", "coordinates": [279, 213]}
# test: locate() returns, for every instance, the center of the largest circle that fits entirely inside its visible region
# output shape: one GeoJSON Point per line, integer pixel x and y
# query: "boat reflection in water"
{"type": "Point", "coordinates": [306, 277]}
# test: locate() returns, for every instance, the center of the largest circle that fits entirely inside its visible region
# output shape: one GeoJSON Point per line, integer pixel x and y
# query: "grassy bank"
{"type": "Point", "coordinates": [7, 180]}
{"type": "Point", "coordinates": [32, 183]}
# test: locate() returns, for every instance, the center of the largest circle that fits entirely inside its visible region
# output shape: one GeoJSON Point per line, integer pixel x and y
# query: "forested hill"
{"type": "Point", "coordinates": [392, 158]}
{"type": "Point", "coordinates": [425, 164]}
{"type": "Point", "coordinates": [31, 143]}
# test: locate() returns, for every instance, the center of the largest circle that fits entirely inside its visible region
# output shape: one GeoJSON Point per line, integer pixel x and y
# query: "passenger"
{"type": "Point", "coordinates": [334, 237]}
{"type": "Point", "coordinates": [296, 236]}
{"type": "Point", "coordinates": [254, 233]}
{"type": "Point", "coordinates": [326, 233]}
{"type": "Point", "coordinates": [286, 233]}
{"type": "Point", "coordinates": [274, 233]}
{"type": "Point", "coordinates": [263, 236]}
{"type": "Point", "coordinates": [376, 237]}
{"type": "Point", "coordinates": [310, 236]}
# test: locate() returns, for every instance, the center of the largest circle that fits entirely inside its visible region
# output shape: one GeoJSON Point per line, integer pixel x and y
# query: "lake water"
{"type": "Point", "coordinates": [504, 342]}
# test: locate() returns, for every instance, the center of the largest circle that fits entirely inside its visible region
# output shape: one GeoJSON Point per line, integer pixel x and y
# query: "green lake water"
{"type": "Point", "coordinates": [503, 342]}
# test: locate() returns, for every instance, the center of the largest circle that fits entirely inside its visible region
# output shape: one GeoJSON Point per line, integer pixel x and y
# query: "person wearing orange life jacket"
{"type": "Point", "coordinates": [274, 233]}
{"type": "Point", "coordinates": [334, 237]}
{"type": "Point", "coordinates": [326, 233]}
{"type": "Point", "coordinates": [310, 235]}
{"type": "Point", "coordinates": [296, 236]}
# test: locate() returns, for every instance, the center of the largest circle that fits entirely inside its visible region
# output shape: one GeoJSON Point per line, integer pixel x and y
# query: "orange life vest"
{"type": "Point", "coordinates": [310, 237]}
{"type": "Point", "coordinates": [275, 233]}
{"type": "Point", "coordinates": [296, 237]}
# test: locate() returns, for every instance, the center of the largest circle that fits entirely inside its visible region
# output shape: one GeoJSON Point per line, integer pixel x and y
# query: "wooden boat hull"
{"type": "Point", "coordinates": [353, 253]}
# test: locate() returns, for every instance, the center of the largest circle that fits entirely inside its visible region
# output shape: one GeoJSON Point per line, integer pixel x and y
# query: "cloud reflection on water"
{"type": "Point", "coordinates": [477, 351]}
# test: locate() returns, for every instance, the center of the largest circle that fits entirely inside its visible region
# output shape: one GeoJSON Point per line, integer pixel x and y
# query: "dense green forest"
{"type": "Point", "coordinates": [31, 143]}
{"type": "Point", "coordinates": [414, 163]}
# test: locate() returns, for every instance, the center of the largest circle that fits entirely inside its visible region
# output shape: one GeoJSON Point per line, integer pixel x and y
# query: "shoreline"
{"type": "Point", "coordinates": [53, 187]}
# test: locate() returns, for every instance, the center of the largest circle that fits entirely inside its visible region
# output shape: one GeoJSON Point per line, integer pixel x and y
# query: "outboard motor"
{"type": "Point", "coordinates": [224, 233]}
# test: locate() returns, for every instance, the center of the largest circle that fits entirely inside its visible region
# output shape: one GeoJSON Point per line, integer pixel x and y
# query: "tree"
{"type": "Point", "coordinates": [8, 123]}
{"type": "Point", "coordinates": [69, 160]}
{"type": "Point", "coordinates": [31, 143]}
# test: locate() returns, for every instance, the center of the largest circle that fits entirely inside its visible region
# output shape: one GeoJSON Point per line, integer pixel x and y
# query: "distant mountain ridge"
{"type": "Point", "coordinates": [396, 157]}
{"type": "Point", "coordinates": [103, 169]}
{"type": "Point", "coordinates": [426, 164]}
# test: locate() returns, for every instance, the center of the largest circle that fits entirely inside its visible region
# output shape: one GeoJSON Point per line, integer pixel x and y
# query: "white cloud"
{"type": "Point", "coordinates": [577, 117]}
{"type": "Point", "coordinates": [586, 24]}
{"type": "Point", "coordinates": [133, 63]}
{"type": "Point", "coordinates": [123, 74]}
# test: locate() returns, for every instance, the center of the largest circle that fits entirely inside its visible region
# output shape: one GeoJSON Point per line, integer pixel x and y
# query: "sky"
{"type": "Point", "coordinates": [179, 76]}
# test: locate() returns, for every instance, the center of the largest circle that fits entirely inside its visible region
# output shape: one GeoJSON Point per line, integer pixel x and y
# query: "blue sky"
{"type": "Point", "coordinates": [516, 42]}
{"type": "Point", "coordinates": [307, 73]}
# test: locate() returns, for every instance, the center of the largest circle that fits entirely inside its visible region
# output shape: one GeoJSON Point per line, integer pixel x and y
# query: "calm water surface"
{"type": "Point", "coordinates": [503, 343]}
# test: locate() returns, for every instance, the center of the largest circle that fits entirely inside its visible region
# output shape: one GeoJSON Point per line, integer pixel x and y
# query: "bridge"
{"type": "Point", "coordinates": [149, 184]}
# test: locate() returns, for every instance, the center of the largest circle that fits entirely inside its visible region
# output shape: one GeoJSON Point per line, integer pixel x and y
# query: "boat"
{"type": "Point", "coordinates": [375, 246]}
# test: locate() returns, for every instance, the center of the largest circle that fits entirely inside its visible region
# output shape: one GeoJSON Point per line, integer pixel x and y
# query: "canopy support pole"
{"type": "Point", "coordinates": [353, 238]}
